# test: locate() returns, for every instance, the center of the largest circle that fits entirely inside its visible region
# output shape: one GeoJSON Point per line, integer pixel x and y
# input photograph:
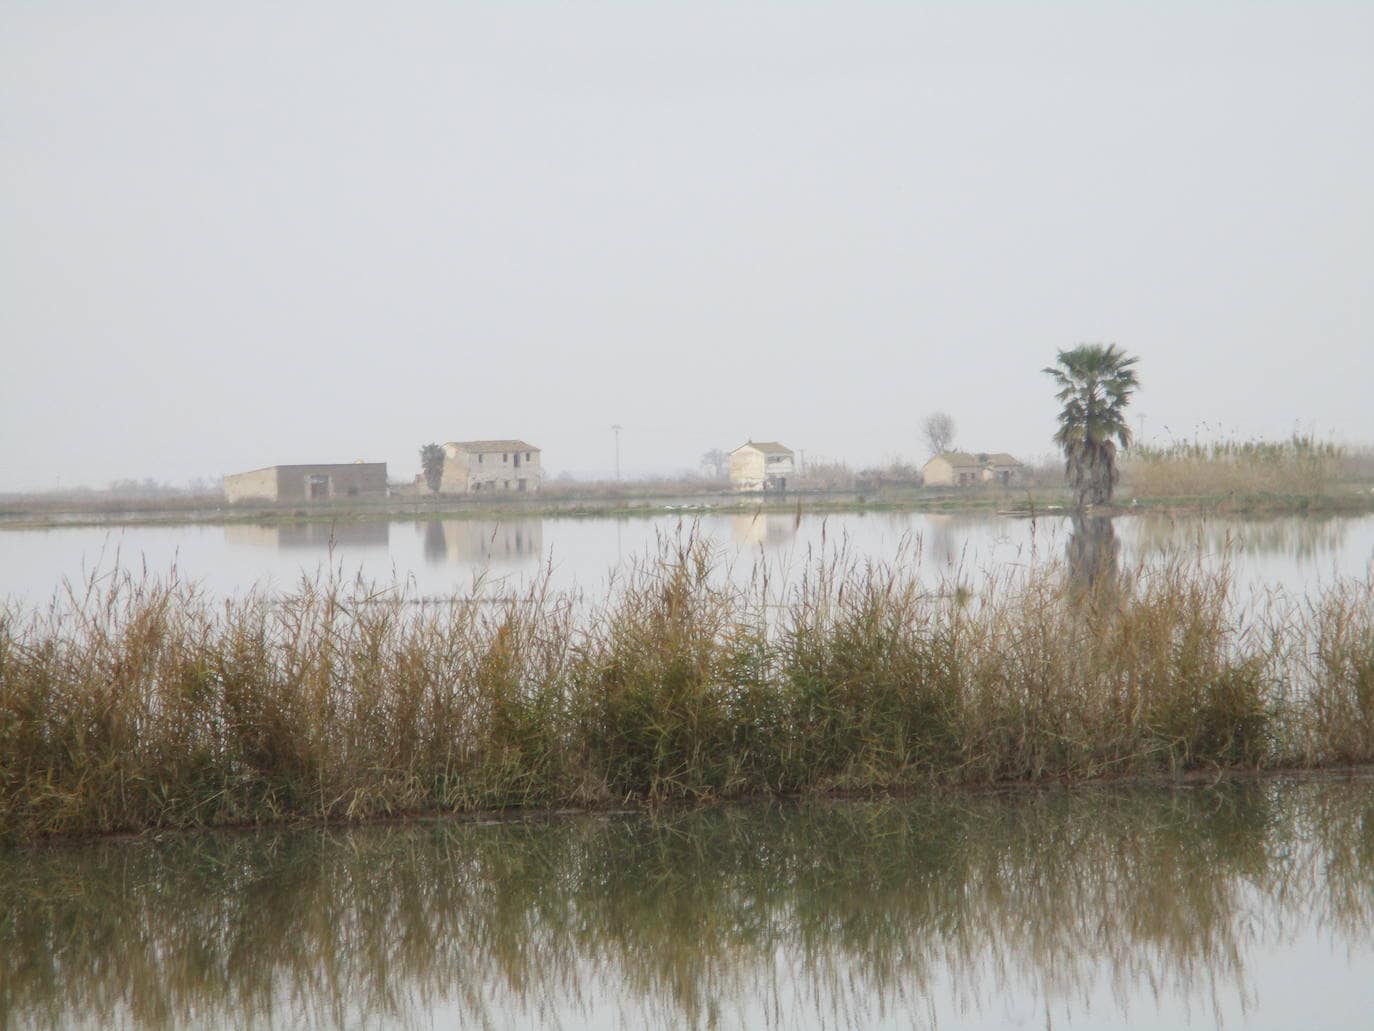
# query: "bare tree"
{"type": "Point", "coordinates": [938, 431]}
{"type": "Point", "coordinates": [717, 461]}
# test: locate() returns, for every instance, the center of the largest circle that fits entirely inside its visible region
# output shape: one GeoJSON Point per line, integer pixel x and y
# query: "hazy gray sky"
{"type": "Point", "coordinates": [239, 234]}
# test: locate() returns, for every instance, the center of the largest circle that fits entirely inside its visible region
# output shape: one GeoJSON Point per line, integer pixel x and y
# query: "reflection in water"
{"type": "Point", "coordinates": [952, 539]}
{"type": "Point", "coordinates": [1093, 553]}
{"type": "Point", "coordinates": [436, 548]}
{"type": "Point", "coordinates": [763, 529]}
{"type": "Point", "coordinates": [942, 539]}
{"type": "Point", "coordinates": [483, 541]}
{"type": "Point", "coordinates": [1304, 538]}
{"type": "Point", "coordinates": [1296, 554]}
{"type": "Point", "coordinates": [313, 536]}
{"type": "Point", "coordinates": [822, 914]}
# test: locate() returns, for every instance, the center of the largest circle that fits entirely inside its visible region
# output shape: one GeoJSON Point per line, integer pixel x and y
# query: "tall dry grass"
{"type": "Point", "coordinates": [141, 702]}
{"type": "Point", "coordinates": [1301, 465]}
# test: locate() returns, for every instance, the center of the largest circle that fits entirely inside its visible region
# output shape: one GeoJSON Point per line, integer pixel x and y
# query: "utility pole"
{"type": "Point", "coordinates": [617, 428]}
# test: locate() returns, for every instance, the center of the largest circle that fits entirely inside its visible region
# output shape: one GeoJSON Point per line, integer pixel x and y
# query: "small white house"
{"type": "Point", "coordinates": [761, 465]}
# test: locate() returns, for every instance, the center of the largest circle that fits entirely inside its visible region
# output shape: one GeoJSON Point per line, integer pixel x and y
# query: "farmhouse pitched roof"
{"type": "Point", "coordinates": [963, 459]}
{"type": "Point", "coordinates": [1001, 458]}
{"type": "Point", "coordinates": [486, 447]}
{"type": "Point", "coordinates": [768, 447]}
{"type": "Point", "coordinates": [958, 458]}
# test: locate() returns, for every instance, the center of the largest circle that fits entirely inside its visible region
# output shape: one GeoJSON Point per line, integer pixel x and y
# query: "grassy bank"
{"type": "Point", "coordinates": [17, 516]}
{"type": "Point", "coordinates": [1341, 500]}
{"type": "Point", "coordinates": [143, 703]}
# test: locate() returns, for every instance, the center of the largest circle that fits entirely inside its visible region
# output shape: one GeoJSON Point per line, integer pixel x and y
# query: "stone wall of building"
{"type": "Point", "coordinates": [308, 482]}
{"type": "Point", "coordinates": [258, 485]}
{"type": "Point", "coordinates": [960, 470]}
{"type": "Point", "coordinates": [490, 471]}
{"type": "Point", "coordinates": [746, 469]}
{"type": "Point", "coordinates": [938, 472]}
{"type": "Point", "coordinates": [752, 469]}
{"type": "Point", "coordinates": [455, 477]}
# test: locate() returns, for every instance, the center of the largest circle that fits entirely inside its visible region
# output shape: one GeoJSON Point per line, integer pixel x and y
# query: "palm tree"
{"type": "Point", "coordinates": [1095, 384]}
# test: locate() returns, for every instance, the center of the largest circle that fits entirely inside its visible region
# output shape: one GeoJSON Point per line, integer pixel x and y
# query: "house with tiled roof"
{"type": "Point", "coordinates": [481, 466]}
{"type": "Point", "coordinates": [761, 465]}
{"type": "Point", "coordinates": [965, 469]}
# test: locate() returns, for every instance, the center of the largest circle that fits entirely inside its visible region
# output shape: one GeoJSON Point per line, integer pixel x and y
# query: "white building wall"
{"type": "Point", "coordinates": [753, 469]}
{"type": "Point", "coordinates": [490, 471]}
{"type": "Point", "coordinates": [258, 485]}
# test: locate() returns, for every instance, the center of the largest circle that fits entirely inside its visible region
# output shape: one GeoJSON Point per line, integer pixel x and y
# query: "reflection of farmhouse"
{"type": "Point", "coordinates": [486, 465]}
{"type": "Point", "coordinates": [307, 482]}
{"type": "Point", "coordinates": [482, 542]}
{"type": "Point", "coordinates": [761, 529]}
{"type": "Point", "coordinates": [359, 535]}
{"type": "Point", "coordinates": [760, 465]}
{"type": "Point", "coordinates": [959, 469]}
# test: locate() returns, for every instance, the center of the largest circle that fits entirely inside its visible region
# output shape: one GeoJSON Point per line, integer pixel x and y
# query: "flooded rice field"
{"type": "Point", "coordinates": [439, 558]}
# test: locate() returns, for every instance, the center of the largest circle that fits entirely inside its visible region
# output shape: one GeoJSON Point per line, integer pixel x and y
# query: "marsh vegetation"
{"type": "Point", "coordinates": [1301, 466]}
{"type": "Point", "coordinates": [139, 702]}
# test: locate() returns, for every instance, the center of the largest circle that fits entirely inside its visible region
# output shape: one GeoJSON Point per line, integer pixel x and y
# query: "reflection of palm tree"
{"type": "Point", "coordinates": [1093, 553]}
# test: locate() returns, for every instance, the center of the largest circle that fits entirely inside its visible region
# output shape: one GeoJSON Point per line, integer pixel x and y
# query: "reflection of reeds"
{"type": "Point", "coordinates": [1304, 538]}
{"type": "Point", "coordinates": [682, 919]}
{"type": "Point", "coordinates": [145, 704]}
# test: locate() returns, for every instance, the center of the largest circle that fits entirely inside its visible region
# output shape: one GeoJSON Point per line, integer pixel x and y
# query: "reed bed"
{"type": "Point", "coordinates": [1301, 465]}
{"type": "Point", "coordinates": [140, 702]}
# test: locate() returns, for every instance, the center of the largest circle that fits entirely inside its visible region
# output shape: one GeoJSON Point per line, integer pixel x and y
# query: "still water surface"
{"type": "Point", "coordinates": [438, 558]}
{"type": "Point", "coordinates": [1242, 905]}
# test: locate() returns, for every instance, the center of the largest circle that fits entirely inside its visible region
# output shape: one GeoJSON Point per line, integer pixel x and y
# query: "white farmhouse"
{"type": "Point", "coordinates": [489, 465]}
{"type": "Point", "coordinates": [760, 465]}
